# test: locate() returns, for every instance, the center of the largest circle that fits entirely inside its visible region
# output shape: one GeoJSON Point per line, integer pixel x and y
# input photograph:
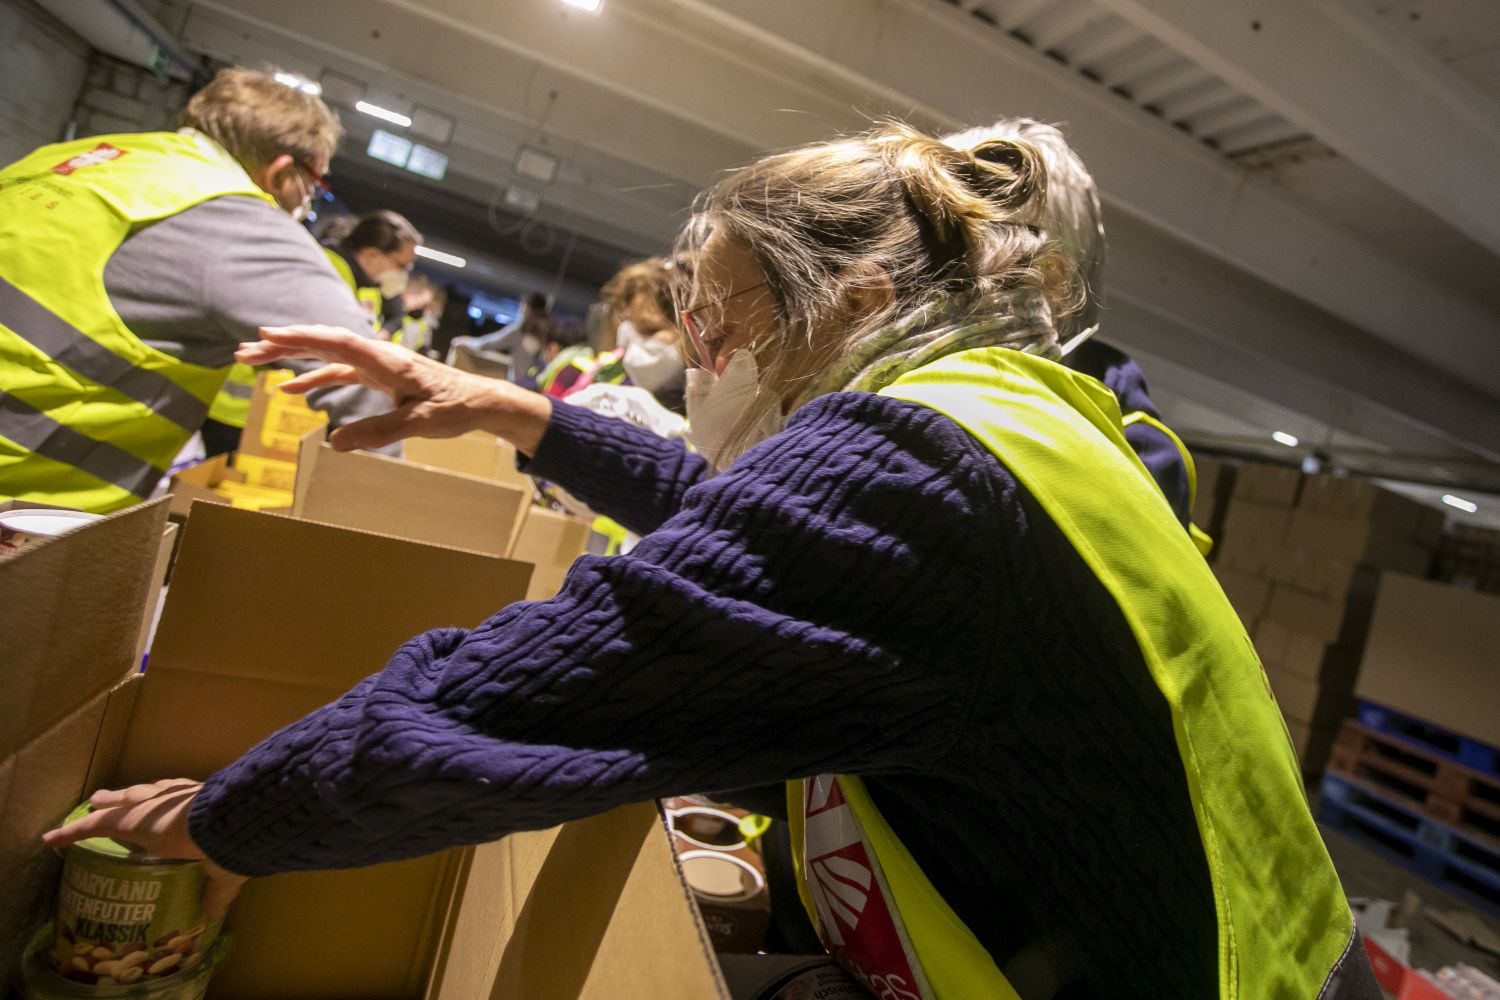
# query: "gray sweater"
{"type": "Point", "coordinates": [197, 283]}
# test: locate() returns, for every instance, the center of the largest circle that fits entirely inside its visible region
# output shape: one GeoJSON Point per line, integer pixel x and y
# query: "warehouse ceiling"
{"type": "Point", "coordinates": [1303, 229]}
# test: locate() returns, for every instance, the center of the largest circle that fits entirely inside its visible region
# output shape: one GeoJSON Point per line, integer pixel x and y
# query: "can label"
{"type": "Point", "coordinates": [120, 923]}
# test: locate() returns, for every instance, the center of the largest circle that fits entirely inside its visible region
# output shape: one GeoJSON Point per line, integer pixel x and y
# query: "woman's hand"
{"type": "Point", "coordinates": [155, 819]}
{"type": "Point", "coordinates": [431, 399]}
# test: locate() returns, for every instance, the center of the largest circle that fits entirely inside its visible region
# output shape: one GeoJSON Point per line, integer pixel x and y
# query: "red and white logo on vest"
{"type": "Point", "coordinates": [102, 153]}
{"type": "Point", "coordinates": [856, 922]}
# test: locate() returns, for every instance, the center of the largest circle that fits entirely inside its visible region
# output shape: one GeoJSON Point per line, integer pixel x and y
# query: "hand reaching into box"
{"type": "Point", "coordinates": [431, 399]}
{"type": "Point", "coordinates": [154, 818]}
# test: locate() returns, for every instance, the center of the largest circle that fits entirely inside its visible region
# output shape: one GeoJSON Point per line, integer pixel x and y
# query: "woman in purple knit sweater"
{"type": "Point", "coordinates": [844, 581]}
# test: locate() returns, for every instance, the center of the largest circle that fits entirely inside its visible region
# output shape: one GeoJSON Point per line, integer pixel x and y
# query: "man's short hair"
{"type": "Point", "coordinates": [1073, 217]}
{"type": "Point", "coordinates": [258, 119]}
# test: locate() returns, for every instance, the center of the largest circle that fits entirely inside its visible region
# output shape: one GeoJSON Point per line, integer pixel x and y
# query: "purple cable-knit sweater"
{"type": "Point", "coordinates": [868, 592]}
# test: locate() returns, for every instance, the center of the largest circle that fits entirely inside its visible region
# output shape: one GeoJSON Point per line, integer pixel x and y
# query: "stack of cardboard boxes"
{"type": "Point", "coordinates": [1301, 558]}
{"type": "Point", "coordinates": [1469, 556]}
{"type": "Point", "coordinates": [1214, 485]}
{"type": "Point", "coordinates": [268, 617]}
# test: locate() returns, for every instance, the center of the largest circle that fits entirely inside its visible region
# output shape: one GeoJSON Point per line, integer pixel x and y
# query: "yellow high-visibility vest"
{"type": "Point", "coordinates": [1284, 926]}
{"type": "Point", "coordinates": [90, 415]}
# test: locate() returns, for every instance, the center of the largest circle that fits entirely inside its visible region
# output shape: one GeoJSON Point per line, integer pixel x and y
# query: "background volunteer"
{"type": "Point", "coordinates": [194, 284]}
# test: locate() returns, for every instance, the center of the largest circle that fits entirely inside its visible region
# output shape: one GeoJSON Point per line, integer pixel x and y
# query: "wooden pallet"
{"type": "Point", "coordinates": [1433, 738]}
{"type": "Point", "coordinates": [1437, 786]}
{"type": "Point", "coordinates": [1449, 858]}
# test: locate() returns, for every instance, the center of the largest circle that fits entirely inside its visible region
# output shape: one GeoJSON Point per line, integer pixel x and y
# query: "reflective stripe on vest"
{"type": "Point", "coordinates": [93, 413]}
{"type": "Point", "coordinates": [39, 441]}
{"type": "Point", "coordinates": [1283, 924]}
{"type": "Point", "coordinates": [232, 405]}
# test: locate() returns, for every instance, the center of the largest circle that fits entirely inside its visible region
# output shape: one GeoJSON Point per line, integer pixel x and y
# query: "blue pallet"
{"type": "Point", "coordinates": [1444, 856]}
{"type": "Point", "coordinates": [1430, 737]}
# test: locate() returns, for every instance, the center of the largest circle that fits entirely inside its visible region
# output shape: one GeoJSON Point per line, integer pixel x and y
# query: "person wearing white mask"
{"type": "Point", "coordinates": [1028, 749]}
{"type": "Point", "coordinates": [375, 259]}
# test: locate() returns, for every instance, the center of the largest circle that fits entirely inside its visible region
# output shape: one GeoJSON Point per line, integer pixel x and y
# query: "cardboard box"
{"type": "Point", "coordinates": [474, 454]}
{"type": "Point", "coordinates": [375, 493]}
{"type": "Point", "coordinates": [218, 480]}
{"type": "Point", "coordinates": [1314, 745]}
{"type": "Point", "coordinates": [593, 910]}
{"type": "Point", "coordinates": [1297, 653]}
{"type": "Point", "coordinates": [1330, 620]}
{"type": "Point", "coordinates": [1432, 654]}
{"type": "Point", "coordinates": [1253, 534]}
{"type": "Point", "coordinates": [277, 421]}
{"type": "Point", "coordinates": [71, 619]}
{"type": "Point", "coordinates": [269, 617]}
{"type": "Point", "coordinates": [550, 542]}
{"type": "Point", "coordinates": [1321, 702]}
{"type": "Point", "coordinates": [1270, 484]}
{"type": "Point", "coordinates": [1356, 540]}
{"type": "Point", "coordinates": [1248, 593]}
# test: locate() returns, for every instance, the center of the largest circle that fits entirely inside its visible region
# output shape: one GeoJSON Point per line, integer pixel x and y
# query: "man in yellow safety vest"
{"type": "Point", "coordinates": [130, 268]}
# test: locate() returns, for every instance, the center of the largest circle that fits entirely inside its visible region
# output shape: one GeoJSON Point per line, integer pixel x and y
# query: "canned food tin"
{"type": "Point", "coordinates": [124, 917]}
{"type": "Point", "coordinates": [40, 982]}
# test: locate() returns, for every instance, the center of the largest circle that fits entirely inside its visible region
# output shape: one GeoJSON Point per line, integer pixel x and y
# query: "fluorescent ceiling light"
{"type": "Point", "coordinates": [523, 199]}
{"type": "Point", "coordinates": [592, 6]}
{"type": "Point", "coordinates": [537, 165]}
{"type": "Point", "coordinates": [427, 162]}
{"type": "Point", "coordinates": [388, 147]}
{"type": "Point", "coordinates": [298, 83]}
{"type": "Point", "coordinates": [452, 260]}
{"type": "Point", "coordinates": [384, 114]}
{"type": "Point", "coordinates": [1468, 506]}
{"type": "Point", "coordinates": [1282, 437]}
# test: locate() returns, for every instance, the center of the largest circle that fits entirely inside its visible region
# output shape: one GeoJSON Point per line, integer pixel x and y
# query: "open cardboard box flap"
{"type": "Point", "coordinates": [377, 493]}
{"type": "Point", "coordinates": [269, 617]}
{"type": "Point", "coordinates": [71, 621]}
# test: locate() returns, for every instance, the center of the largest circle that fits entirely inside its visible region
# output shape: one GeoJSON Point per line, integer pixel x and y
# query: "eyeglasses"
{"type": "Point", "coordinates": [693, 321]}
{"type": "Point", "coordinates": [320, 181]}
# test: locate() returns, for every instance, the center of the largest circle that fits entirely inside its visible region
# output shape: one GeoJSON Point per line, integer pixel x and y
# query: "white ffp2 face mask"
{"type": "Point", "coordinates": [392, 282]}
{"type": "Point", "coordinates": [715, 405]}
{"type": "Point", "coordinates": [654, 365]}
{"type": "Point", "coordinates": [626, 335]}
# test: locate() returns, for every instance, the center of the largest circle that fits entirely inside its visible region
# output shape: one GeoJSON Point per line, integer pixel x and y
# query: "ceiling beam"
{"type": "Point", "coordinates": [1381, 101]}
{"type": "Point", "coordinates": [1142, 164]}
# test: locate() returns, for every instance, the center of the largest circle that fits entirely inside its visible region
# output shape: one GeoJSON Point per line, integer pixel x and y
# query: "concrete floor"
{"type": "Point", "coordinates": [1365, 873]}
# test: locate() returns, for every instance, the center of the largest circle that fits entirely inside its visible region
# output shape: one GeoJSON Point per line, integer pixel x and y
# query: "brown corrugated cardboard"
{"type": "Point", "coordinates": [1356, 540]}
{"type": "Point", "coordinates": [1272, 484]}
{"type": "Point", "coordinates": [376, 493]}
{"type": "Point", "coordinates": [1312, 743]}
{"type": "Point", "coordinates": [1253, 533]}
{"type": "Point", "coordinates": [1432, 654]}
{"type": "Point", "coordinates": [1248, 593]}
{"type": "Point", "coordinates": [628, 929]}
{"type": "Point", "coordinates": [549, 541]}
{"type": "Point", "coordinates": [474, 454]}
{"type": "Point", "coordinates": [91, 586]}
{"type": "Point", "coordinates": [1325, 700]}
{"type": "Point", "coordinates": [267, 617]}
{"type": "Point", "coordinates": [1295, 652]}
{"type": "Point", "coordinates": [276, 616]}
{"type": "Point", "coordinates": [1331, 620]}
{"type": "Point", "coordinates": [277, 420]}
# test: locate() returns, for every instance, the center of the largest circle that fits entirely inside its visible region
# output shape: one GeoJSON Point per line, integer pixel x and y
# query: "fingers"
{"type": "Point", "coordinates": [322, 378]}
{"type": "Point", "coordinates": [377, 431]}
{"type": "Point", "coordinates": [322, 343]}
{"type": "Point", "coordinates": [99, 823]}
{"type": "Point", "coordinates": [219, 891]}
